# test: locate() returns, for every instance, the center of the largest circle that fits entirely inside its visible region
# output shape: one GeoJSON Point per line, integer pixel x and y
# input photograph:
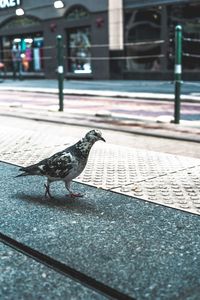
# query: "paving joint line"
{"type": "Point", "coordinates": [139, 197]}
{"type": "Point", "coordinates": [157, 203]}
{"type": "Point", "coordinates": [65, 270]}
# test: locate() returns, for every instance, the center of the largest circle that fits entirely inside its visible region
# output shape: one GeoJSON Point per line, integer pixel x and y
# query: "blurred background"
{"type": "Point", "coordinates": [107, 39]}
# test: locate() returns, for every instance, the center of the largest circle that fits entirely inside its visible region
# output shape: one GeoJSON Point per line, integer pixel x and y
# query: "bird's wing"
{"type": "Point", "coordinates": [59, 165]}
{"type": "Point", "coordinates": [56, 166]}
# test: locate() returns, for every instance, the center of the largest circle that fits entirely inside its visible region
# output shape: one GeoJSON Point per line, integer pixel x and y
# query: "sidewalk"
{"type": "Point", "coordinates": [162, 90]}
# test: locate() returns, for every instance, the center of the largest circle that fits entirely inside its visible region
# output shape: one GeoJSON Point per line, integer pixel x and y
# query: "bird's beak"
{"type": "Point", "coordinates": [102, 139]}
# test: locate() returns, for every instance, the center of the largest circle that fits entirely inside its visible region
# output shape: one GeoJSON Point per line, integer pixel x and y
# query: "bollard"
{"type": "Point", "coordinates": [60, 70]}
{"type": "Point", "coordinates": [178, 72]}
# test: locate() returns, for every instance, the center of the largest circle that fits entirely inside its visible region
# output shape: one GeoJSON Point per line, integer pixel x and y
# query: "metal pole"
{"type": "Point", "coordinates": [60, 70]}
{"type": "Point", "coordinates": [178, 72]}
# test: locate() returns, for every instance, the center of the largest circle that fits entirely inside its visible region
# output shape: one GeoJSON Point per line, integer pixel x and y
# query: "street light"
{"type": "Point", "coordinates": [19, 12]}
{"type": "Point", "coordinates": [58, 4]}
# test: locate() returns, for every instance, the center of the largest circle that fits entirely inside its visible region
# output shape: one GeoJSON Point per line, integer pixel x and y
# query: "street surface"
{"type": "Point", "coordinates": [115, 137]}
{"type": "Point", "coordinates": [115, 241]}
{"type": "Point", "coordinates": [128, 249]}
{"type": "Point", "coordinates": [116, 107]}
{"type": "Point", "coordinates": [114, 165]}
{"type": "Point", "coordinates": [134, 234]}
{"type": "Point", "coordinates": [111, 165]}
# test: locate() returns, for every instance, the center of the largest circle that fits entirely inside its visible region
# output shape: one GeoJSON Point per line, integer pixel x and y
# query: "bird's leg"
{"type": "Point", "coordinates": [71, 194]}
{"type": "Point", "coordinates": [47, 191]}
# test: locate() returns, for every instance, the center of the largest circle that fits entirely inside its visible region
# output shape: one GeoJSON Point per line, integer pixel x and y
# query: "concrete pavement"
{"type": "Point", "coordinates": [134, 249]}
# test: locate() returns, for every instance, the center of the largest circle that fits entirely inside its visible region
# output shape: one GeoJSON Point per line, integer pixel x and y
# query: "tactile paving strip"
{"type": "Point", "coordinates": [112, 166]}
{"type": "Point", "coordinates": [179, 190]}
{"type": "Point", "coordinates": [162, 178]}
{"type": "Point", "coordinates": [25, 147]}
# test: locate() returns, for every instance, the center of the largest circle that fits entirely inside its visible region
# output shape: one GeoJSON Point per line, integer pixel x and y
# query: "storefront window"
{"type": "Point", "coordinates": [27, 50]}
{"type": "Point", "coordinates": [20, 22]}
{"type": "Point", "coordinates": [142, 39]}
{"type": "Point", "coordinates": [187, 16]}
{"type": "Point", "coordinates": [80, 50]}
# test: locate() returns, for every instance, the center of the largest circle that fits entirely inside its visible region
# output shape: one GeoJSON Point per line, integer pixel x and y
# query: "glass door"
{"type": "Point", "coordinates": [79, 50]}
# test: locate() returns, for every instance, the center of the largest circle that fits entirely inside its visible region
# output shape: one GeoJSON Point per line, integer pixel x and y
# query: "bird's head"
{"type": "Point", "coordinates": [94, 136]}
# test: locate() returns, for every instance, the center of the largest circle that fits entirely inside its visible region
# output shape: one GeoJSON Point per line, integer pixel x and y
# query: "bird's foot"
{"type": "Point", "coordinates": [73, 195]}
{"type": "Point", "coordinates": [47, 192]}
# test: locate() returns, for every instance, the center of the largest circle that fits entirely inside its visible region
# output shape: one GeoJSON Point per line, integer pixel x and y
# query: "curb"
{"type": "Point", "coordinates": [95, 93]}
{"type": "Point", "coordinates": [159, 130]}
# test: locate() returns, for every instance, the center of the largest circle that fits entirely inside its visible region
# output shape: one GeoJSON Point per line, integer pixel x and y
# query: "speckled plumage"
{"type": "Point", "coordinates": [64, 165]}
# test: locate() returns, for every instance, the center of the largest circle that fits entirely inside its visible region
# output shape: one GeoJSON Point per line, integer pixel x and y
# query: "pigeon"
{"type": "Point", "coordinates": [64, 165]}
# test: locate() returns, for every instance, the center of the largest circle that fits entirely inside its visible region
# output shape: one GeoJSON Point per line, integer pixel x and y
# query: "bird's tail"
{"type": "Point", "coordinates": [23, 174]}
{"type": "Point", "coordinates": [28, 171]}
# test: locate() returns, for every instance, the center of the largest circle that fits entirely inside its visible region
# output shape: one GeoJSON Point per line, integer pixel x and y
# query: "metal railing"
{"type": "Point", "coordinates": [61, 55]}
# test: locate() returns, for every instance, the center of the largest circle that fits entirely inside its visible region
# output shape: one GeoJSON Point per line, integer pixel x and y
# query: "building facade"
{"type": "Point", "coordinates": [107, 39]}
{"type": "Point", "coordinates": [149, 46]}
{"type": "Point", "coordinates": [31, 37]}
